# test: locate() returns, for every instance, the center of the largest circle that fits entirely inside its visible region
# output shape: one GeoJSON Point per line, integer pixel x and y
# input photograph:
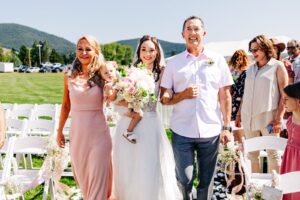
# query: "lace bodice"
{"type": "Point", "coordinates": [151, 106]}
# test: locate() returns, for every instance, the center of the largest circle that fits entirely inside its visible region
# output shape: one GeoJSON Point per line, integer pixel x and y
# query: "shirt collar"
{"type": "Point", "coordinates": [203, 55]}
{"type": "Point", "coordinates": [271, 62]}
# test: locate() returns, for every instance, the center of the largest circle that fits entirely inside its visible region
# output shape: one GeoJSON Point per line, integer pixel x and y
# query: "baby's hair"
{"type": "Point", "coordinates": [105, 64]}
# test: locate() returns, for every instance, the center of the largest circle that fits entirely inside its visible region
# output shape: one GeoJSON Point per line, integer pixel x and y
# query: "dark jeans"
{"type": "Point", "coordinates": [184, 152]}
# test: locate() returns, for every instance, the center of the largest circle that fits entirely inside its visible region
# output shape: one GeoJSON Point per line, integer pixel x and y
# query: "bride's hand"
{"type": "Point", "coordinates": [122, 103]}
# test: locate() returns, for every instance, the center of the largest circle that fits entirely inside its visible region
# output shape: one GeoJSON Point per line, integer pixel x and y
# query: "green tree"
{"type": "Point", "coordinates": [122, 54]}
{"type": "Point", "coordinates": [2, 55]}
{"type": "Point", "coordinates": [55, 57]}
{"type": "Point", "coordinates": [35, 59]}
{"type": "Point", "coordinates": [45, 51]}
{"type": "Point", "coordinates": [24, 55]}
{"type": "Point", "coordinates": [12, 57]}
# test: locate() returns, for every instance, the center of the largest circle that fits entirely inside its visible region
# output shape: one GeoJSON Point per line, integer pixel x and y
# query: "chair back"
{"type": "Point", "coordinates": [289, 182]}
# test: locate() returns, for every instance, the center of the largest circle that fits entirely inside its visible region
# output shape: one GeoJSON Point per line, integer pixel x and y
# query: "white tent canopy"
{"type": "Point", "coordinates": [227, 48]}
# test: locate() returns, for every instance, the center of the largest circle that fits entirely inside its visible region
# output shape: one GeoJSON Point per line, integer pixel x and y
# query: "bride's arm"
{"type": "Point", "coordinates": [122, 103]}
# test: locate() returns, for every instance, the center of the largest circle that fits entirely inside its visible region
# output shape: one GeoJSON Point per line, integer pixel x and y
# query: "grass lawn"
{"type": "Point", "coordinates": [35, 88]}
{"type": "Point", "coordinates": [31, 88]}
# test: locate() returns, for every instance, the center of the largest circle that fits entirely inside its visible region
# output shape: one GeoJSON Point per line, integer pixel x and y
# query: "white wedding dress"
{"type": "Point", "coordinates": [145, 170]}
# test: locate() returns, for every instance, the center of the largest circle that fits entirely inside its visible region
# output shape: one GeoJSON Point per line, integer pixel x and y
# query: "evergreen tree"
{"type": "Point", "coordinates": [55, 57]}
{"type": "Point", "coordinates": [2, 55]}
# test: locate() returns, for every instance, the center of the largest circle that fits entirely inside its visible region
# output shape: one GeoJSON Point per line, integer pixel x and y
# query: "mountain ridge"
{"type": "Point", "coordinates": [14, 35]}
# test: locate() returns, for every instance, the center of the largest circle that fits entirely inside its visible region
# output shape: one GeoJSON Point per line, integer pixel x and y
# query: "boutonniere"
{"type": "Point", "coordinates": [210, 61]}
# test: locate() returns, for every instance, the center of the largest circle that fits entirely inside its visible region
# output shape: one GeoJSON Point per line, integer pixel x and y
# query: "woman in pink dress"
{"type": "Point", "coordinates": [90, 141]}
{"type": "Point", "coordinates": [291, 156]}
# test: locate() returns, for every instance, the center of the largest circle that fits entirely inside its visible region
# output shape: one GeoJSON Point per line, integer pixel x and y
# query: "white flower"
{"type": "Point", "coordinates": [209, 61]}
{"type": "Point", "coordinates": [136, 87]}
{"type": "Point", "coordinates": [12, 186]}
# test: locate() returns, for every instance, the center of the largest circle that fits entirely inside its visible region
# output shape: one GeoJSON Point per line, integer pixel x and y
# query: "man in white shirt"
{"type": "Point", "coordinates": [200, 80]}
{"type": "Point", "coordinates": [293, 49]}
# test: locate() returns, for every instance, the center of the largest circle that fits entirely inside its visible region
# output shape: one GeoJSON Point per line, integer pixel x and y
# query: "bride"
{"type": "Point", "coordinates": [144, 170]}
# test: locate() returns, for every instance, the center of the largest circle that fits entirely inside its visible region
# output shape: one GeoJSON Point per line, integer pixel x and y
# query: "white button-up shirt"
{"type": "Point", "coordinates": [198, 117]}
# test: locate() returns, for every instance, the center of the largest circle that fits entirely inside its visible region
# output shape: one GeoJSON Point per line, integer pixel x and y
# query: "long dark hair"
{"type": "Point", "coordinates": [156, 65]}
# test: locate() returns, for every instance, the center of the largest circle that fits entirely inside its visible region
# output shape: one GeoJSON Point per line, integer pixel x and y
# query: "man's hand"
{"type": "Point", "coordinates": [191, 92]}
{"type": "Point", "coordinates": [225, 137]}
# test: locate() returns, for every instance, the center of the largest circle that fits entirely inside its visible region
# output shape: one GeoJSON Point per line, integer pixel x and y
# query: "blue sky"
{"type": "Point", "coordinates": [112, 20]}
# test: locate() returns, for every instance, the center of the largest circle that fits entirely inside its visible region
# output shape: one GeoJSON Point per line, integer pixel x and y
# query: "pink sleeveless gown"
{"type": "Point", "coordinates": [90, 141]}
{"type": "Point", "coordinates": [291, 156]}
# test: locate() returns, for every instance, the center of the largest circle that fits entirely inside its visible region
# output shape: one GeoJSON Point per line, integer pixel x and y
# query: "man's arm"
{"type": "Point", "coordinates": [189, 93]}
{"type": "Point", "coordinates": [225, 104]}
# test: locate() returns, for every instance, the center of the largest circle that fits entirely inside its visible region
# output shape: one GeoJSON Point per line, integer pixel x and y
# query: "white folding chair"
{"type": "Point", "coordinates": [15, 127]}
{"type": "Point", "coordinates": [8, 106]}
{"type": "Point", "coordinates": [28, 179]}
{"type": "Point", "coordinates": [18, 114]}
{"type": "Point", "coordinates": [289, 182]}
{"type": "Point", "coordinates": [24, 106]}
{"type": "Point", "coordinates": [49, 114]}
{"type": "Point", "coordinates": [5, 173]}
{"type": "Point", "coordinates": [66, 129]}
{"type": "Point", "coordinates": [40, 127]}
{"type": "Point", "coordinates": [258, 144]}
{"type": "Point", "coordinates": [45, 106]}
{"type": "Point", "coordinates": [165, 113]}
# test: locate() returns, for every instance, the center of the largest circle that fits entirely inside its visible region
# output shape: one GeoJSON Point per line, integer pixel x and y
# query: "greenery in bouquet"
{"type": "Point", "coordinates": [136, 86]}
{"type": "Point", "coordinates": [12, 186]}
{"type": "Point", "coordinates": [56, 160]}
{"type": "Point", "coordinates": [255, 192]}
{"type": "Point", "coordinates": [228, 155]}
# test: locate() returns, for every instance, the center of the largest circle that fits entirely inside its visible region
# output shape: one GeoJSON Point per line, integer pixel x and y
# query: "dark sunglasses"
{"type": "Point", "coordinates": [291, 47]}
{"type": "Point", "coordinates": [254, 50]}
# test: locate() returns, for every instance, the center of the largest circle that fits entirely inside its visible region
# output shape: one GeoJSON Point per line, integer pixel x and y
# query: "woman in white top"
{"type": "Point", "coordinates": [262, 109]}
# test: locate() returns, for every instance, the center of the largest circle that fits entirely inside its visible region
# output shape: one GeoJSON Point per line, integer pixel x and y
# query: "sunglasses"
{"type": "Point", "coordinates": [291, 47]}
{"type": "Point", "coordinates": [254, 50]}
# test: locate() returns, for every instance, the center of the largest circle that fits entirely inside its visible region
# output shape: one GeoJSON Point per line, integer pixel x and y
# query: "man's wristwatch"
{"type": "Point", "coordinates": [228, 128]}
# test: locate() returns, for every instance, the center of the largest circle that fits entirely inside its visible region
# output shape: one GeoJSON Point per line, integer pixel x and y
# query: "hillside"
{"type": "Point", "coordinates": [15, 35]}
{"type": "Point", "coordinates": [168, 47]}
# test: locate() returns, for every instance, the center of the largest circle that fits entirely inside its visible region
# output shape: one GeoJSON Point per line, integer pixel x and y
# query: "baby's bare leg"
{"type": "Point", "coordinates": [136, 118]}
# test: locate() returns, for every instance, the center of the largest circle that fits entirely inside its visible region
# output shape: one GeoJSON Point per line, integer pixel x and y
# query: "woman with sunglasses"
{"type": "Point", "coordinates": [262, 109]}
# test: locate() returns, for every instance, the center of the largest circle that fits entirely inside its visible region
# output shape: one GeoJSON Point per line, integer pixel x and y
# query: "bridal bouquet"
{"type": "Point", "coordinates": [136, 86]}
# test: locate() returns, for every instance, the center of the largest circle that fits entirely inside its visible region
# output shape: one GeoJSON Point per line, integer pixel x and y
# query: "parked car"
{"type": "Point", "coordinates": [23, 68]}
{"type": "Point", "coordinates": [45, 69]}
{"type": "Point", "coordinates": [32, 69]}
{"type": "Point", "coordinates": [57, 68]}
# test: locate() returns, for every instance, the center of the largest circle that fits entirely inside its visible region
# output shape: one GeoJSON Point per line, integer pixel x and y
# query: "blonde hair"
{"type": "Point", "coordinates": [94, 66]}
